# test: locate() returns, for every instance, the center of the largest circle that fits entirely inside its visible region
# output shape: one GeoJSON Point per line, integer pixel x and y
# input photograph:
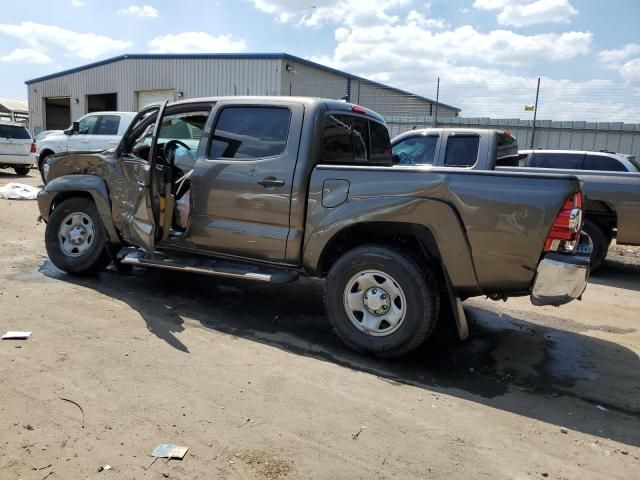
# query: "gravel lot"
{"type": "Point", "coordinates": [254, 382]}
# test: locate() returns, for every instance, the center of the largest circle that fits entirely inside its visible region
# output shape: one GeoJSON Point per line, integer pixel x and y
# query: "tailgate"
{"type": "Point", "coordinates": [13, 146]}
{"type": "Point", "coordinates": [14, 140]}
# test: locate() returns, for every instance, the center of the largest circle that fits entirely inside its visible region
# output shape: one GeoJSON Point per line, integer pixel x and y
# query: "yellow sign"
{"type": "Point", "coordinates": [529, 108]}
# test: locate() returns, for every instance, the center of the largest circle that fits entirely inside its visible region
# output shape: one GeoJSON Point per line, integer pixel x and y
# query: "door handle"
{"type": "Point", "coordinates": [271, 182]}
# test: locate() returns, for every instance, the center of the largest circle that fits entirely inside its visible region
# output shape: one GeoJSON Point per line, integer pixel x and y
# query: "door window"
{"type": "Point", "coordinates": [570, 161]}
{"type": "Point", "coordinates": [247, 133]}
{"type": "Point", "coordinates": [416, 150]}
{"type": "Point", "coordinates": [87, 124]}
{"type": "Point", "coordinates": [603, 163]}
{"type": "Point", "coordinates": [108, 125]}
{"type": "Point", "coordinates": [462, 150]}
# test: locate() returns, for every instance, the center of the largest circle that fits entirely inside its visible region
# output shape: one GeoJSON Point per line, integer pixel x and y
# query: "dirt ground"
{"type": "Point", "coordinates": [253, 381]}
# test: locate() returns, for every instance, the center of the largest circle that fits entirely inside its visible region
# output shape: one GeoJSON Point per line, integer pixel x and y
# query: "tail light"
{"type": "Point", "coordinates": [358, 109]}
{"type": "Point", "coordinates": [565, 230]}
{"type": "Point", "coordinates": [33, 148]}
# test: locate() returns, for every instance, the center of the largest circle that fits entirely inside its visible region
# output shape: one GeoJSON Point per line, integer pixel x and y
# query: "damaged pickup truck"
{"type": "Point", "coordinates": [271, 188]}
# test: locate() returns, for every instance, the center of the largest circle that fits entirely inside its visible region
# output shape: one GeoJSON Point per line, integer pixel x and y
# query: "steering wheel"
{"type": "Point", "coordinates": [170, 148]}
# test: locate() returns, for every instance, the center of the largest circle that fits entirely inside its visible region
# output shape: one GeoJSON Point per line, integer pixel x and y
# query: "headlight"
{"type": "Point", "coordinates": [45, 171]}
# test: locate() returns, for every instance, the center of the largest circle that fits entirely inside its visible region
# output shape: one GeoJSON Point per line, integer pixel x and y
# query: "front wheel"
{"type": "Point", "coordinates": [75, 238]}
{"type": "Point", "coordinates": [22, 170]}
{"type": "Point", "coordinates": [381, 300]}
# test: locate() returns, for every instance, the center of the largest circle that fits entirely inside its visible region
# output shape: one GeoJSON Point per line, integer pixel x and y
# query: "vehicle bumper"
{"type": "Point", "coordinates": [561, 278]}
{"type": "Point", "coordinates": [16, 160]}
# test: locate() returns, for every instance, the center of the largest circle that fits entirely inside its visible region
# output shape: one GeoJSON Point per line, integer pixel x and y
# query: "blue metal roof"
{"type": "Point", "coordinates": [229, 56]}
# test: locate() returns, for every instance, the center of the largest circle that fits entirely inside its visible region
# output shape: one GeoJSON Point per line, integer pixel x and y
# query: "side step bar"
{"type": "Point", "coordinates": [218, 268]}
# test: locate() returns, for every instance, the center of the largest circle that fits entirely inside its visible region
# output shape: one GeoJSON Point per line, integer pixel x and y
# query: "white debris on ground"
{"type": "Point", "coordinates": [19, 191]}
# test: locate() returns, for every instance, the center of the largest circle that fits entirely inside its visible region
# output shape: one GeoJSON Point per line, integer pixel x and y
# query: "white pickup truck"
{"type": "Point", "coordinates": [97, 131]}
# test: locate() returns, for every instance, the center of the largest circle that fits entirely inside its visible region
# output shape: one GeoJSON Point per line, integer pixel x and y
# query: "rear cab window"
{"type": "Point", "coordinates": [15, 132]}
{"type": "Point", "coordinates": [247, 133]}
{"type": "Point", "coordinates": [507, 150]}
{"type": "Point", "coordinates": [350, 139]}
{"type": "Point", "coordinates": [568, 161]}
{"type": "Point", "coordinates": [462, 150]}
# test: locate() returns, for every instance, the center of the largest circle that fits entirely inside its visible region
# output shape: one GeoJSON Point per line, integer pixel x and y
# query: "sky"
{"type": "Point", "coordinates": [488, 54]}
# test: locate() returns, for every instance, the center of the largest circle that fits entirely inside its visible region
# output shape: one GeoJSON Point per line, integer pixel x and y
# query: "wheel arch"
{"type": "Point", "coordinates": [416, 238]}
{"type": "Point", "coordinates": [87, 186]}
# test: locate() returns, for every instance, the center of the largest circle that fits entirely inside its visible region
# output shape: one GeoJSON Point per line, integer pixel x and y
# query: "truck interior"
{"type": "Point", "coordinates": [176, 150]}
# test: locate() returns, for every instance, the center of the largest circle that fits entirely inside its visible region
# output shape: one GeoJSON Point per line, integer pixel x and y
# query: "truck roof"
{"type": "Point", "coordinates": [309, 101]}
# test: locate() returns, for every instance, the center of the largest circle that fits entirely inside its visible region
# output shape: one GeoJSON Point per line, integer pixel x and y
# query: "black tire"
{"type": "Point", "coordinates": [600, 242]}
{"type": "Point", "coordinates": [22, 170]}
{"type": "Point", "coordinates": [41, 162]}
{"type": "Point", "coordinates": [95, 258]}
{"type": "Point", "coordinates": [417, 283]}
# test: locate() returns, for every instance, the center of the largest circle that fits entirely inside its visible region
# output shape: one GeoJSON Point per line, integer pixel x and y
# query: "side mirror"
{"type": "Point", "coordinates": [74, 128]}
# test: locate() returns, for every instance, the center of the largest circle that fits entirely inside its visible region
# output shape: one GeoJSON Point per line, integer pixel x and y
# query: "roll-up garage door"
{"type": "Point", "coordinates": [146, 97]}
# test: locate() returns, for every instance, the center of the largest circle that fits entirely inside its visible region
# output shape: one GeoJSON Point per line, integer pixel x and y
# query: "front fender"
{"type": "Point", "coordinates": [69, 184]}
{"type": "Point", "coordinates": [438, 217]}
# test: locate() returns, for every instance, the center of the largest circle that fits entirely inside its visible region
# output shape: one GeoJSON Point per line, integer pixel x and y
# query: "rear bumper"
{"type": "Point", "coordinates": [561, 278]}
{"type": "Point", "coordinates": [16, 159]}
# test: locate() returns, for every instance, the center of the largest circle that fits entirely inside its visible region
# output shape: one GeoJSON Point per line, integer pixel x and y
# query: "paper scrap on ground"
{"type": "Point", "coordinates": [19, 191]}
{"type": "Point", "coordinates": [16, 335]}
{"type": "Point", "coordinates": [168, 450]}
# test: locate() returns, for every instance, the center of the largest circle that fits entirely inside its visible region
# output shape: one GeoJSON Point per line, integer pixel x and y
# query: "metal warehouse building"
{"type": "Point", "coordinates": [129, 82]}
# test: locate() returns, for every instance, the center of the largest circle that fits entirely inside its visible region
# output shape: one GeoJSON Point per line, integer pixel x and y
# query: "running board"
{"type": "Point", "coordinates": [218, 268]}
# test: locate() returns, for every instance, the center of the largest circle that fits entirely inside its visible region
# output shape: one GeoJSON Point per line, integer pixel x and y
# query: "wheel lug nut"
{"type": "Point", "coordinates": [383, 296]}
{"type": "Point", "coordinates": [374, 291]}
{"type": "Point", "coordinates": [385, 307]}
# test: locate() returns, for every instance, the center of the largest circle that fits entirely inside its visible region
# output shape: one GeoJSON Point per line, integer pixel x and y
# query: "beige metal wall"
{"type": "Point", "coordinates": [193, 77]}
{"type": "Point", "coordinates": [302, 80]}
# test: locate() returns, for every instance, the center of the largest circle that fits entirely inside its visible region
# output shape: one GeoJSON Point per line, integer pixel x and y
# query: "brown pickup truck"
{"type": "Point", "coordinates": [270, 188]}
{"type": "Point", "coordinates": [612, 198]}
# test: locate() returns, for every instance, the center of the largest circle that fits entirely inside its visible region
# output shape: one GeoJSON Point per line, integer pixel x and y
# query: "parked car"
{"type": "Point", "coordinates": [578, 160]}
{"type": "Point", "coordinates": [612, 206]}
{"type": "Point", "coordinates": [16, 147]}
{"type": "Point", "coordinates": [280, 187]}
{"type": "Point", "coordinates": [94, 132]}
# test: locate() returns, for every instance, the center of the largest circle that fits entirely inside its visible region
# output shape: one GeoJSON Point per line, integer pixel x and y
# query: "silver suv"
{"type": "Point", "coordinates": [16, 147]}
{"type": "Point", "coordinates": [579, 160]}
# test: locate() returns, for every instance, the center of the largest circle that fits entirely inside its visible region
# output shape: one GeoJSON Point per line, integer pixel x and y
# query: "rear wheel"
{"type": "Point", "coordinates": [381, 301]}
{"type": "Point", "coordinates": [22, 169]}
{"type": "Point", "coordinates": [600, 242]}
{"type": "Point", "coordinates": [75, 238]}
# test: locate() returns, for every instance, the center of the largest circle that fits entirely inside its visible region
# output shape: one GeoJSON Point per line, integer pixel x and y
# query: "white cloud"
{"type": "Point", "coordinates": [196, 42]}
{"type": "Point", "coordinates": [630, 71]}
{"type": "Point", "coordinates": [49, 38]}
{"type": "Point", "coordinates": [616, 57]}
{"type": "Point", "coordinates": [522, 13]}
{"type": "Point", "coordinates": [77, 3]}
{"type": "Point", "coordinates": [410, 41]}
{"type": "Point", "coordinates": [136, 11]}
{"type": "Point", "coordinates": [422, 21]}
{"type": "Point", "coordinates": [319, 12]}
{"type": "Point", "coordinates": [26, 55]}
{"type": "Point", "coordinates": [626, 60]}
